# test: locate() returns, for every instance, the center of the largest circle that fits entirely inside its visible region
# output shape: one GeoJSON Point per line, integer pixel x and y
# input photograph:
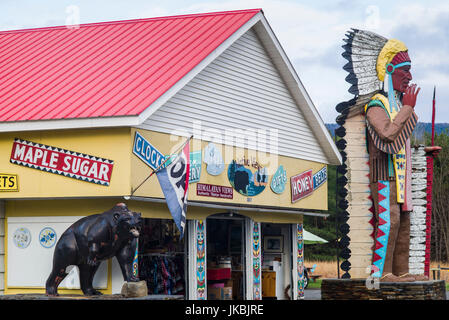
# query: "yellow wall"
{"type": "Point", "coordinates": [129, 171]}
{"type": "Point", "coordinates": [44, 208]}
{"type": "Point", "coordinates": [84, 207]}
{"type": "Point", "coordinates": [317, 200]}
{"type": "Point", "coordinates": [113, 144]}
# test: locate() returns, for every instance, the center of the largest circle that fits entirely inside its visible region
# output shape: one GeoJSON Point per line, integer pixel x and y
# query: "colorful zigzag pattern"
{"type": "Point", "coordinates": [383, 228]}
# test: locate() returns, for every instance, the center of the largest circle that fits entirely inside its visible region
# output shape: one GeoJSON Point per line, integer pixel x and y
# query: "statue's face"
{"type": "Point", "coordinates": [401, 78]}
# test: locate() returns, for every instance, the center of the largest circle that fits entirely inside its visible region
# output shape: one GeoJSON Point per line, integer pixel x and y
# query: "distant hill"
{"type": "Point", "coordinates": [420, 128]}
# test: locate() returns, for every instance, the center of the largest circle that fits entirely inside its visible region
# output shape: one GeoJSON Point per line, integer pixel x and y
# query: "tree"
{"type": "Point", "coordinates": [440, 195]}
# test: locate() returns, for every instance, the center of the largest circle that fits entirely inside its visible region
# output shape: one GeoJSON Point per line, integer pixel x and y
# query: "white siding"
{"type": "Point", "coordinates": [241, 90]}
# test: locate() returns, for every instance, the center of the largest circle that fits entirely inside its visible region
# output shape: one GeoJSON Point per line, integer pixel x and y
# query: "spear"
{"type": "Point", "coordinates": [433, 116]}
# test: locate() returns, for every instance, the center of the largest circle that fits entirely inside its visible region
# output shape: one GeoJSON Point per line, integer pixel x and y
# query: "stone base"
{"type": "Point", "coordinates": [361, 289]}
{"type": "Point", "coordinates": [134, 289]}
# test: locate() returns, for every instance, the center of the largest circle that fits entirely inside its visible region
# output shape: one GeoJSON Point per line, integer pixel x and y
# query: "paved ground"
{"type": "Point", "coordinates": [315, 294]}
{"type": "Point", "coordinates": [312, 294]}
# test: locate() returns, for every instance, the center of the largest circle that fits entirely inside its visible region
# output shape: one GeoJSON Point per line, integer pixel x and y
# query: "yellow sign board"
{"type": "Point", "coordinates": [9, 182]}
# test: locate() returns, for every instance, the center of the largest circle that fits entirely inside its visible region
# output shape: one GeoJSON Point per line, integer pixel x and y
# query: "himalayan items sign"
{"type": "Point", "coordinates": [9, 182]}
{"type": "Point", "coordinates": [303, 184]}
{"type": "Point", "coordinates": [63, 162]}
{"type": "Point", "coordinates": [209, 190]}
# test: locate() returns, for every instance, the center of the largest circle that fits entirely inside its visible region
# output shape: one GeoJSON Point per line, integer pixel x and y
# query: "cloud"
{"type": "Point", "coordinates": [310, 32]}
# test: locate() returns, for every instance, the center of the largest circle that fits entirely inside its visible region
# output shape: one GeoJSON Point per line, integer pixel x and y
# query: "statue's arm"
{"type": "Point", "coordinates": [388, 130]}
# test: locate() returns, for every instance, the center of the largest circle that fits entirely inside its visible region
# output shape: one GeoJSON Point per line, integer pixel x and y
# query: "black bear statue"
{"type": "Point", "coordinates": [92, 239]}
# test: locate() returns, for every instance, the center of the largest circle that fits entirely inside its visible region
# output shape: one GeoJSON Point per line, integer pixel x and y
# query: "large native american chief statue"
{"type": "Point", "coordinates": [377, 124]}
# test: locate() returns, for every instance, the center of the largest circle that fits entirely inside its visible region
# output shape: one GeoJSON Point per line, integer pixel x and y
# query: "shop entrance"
{"type": "Point", "coordinates": [225, 257]}
{"type": "Point", "coordinates": [277, 266]}
{"type": "Point", "coordinates": [162, 259]}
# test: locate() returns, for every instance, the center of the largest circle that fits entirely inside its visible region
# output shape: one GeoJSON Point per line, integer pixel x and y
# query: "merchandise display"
{"type": "Point", "coordinates": [161, 258]}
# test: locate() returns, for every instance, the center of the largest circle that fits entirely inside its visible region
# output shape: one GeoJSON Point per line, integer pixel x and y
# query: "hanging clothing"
{"type": "Point", "coordinates": [164, 275]}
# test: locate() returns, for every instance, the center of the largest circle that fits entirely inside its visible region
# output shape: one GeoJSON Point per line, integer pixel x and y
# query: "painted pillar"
{"type": "Point", "coordinates": [2, 247]}
{"type": "Point", "coordinates": [298, 262]}
{"type": "Point", "coordinates": [197, 260]}
{"type": "Point", "coordinates": [418, 215]}
{"type": "Point", "coordinates": [254, 260]}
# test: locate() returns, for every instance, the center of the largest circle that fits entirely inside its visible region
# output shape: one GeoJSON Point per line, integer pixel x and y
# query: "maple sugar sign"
{"type": "Point", "coordinates": [303, 184]}
{"type": "Point", "coordinates": [63, 162]}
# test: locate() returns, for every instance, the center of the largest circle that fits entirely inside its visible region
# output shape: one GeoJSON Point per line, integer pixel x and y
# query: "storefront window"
{"type": "Point", "coordinates": [162, 258]}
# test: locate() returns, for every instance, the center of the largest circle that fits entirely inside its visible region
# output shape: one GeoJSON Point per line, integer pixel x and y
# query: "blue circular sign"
{"type": "Point", "coordinates": [47, 237]}
{"type": "Point", "coordinates": [246, 181]}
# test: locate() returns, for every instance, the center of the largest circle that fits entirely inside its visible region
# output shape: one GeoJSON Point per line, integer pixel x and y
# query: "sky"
{"type": "Point", "coordinates": [310, 33]}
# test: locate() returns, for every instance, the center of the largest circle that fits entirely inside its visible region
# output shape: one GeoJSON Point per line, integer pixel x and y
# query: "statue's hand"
{"type": "Point", "coordinates": [410, 95]}
{"type": "Point", "coordinates": [433, 150]}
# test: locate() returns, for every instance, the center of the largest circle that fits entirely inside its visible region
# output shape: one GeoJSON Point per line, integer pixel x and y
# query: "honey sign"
{"type": "Point", "coordinates": [9, 182]}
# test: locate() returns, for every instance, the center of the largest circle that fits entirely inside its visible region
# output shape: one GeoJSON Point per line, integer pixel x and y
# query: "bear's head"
{"type": "Point", "coordinates": [129, 223]}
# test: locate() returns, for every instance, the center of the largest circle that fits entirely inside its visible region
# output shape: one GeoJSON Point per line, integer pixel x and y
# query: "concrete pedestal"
{"type": "Point", "coordinates": [361, 289]}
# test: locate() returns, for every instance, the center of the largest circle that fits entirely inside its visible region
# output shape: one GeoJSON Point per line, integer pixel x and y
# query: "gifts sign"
{"type": "Point", "coordinates": [63, 162]}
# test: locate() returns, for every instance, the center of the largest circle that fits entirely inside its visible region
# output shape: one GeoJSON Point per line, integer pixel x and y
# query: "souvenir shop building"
{"type": "Point", "coordinates": [88, 111]}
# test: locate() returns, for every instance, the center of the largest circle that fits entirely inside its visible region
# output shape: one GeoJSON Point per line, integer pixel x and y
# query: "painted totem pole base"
{"type": "Point", "coordinates": [358, 289]}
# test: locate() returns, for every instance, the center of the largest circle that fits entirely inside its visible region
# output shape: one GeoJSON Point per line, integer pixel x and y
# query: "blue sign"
{"type": "Point", "coordinates": [246, 181]}
{"type": "Point", "coordinates": [47, 237]}
{"type": "Point", "coordinates": [147, 152]}
{"type": "Point", "coordinates": [195, 166]}
{"type": "Point", "coordinates": [319, 178]}
{"type": "Point", "coordinates": [279, 180]}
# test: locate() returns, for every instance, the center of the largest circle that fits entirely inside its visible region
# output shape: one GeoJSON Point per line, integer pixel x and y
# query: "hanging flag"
{"type": "Point", "coordinates": [174, 181]}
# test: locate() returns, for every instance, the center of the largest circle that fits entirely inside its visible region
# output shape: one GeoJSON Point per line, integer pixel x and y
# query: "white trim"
{"type": "Point", "coordinates": [34, 125]}
{"type": "Point", "coordinates": [294, 253]}
{"type": "Point", "coordinates": [234, 208]}
{"type": "Point", "coordinates": [48, 219]}
{"type": "Point", "coordinates": [249, 279]}
{"type": "Point", "coordinates": [191, 240]}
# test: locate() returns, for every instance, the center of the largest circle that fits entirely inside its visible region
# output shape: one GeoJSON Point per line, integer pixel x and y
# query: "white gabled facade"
{"type": "Point", "coordinates": [242, 90]}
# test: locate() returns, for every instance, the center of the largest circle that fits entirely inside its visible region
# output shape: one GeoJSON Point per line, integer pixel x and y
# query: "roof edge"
{"type": "Point", "coordinates": [89, 24]}
{"type": "Point", "coordinates": [73, 123]}
{"type": "Point", "coordinates": [297, 90]}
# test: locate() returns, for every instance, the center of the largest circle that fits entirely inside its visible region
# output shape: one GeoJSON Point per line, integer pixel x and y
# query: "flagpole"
{"type": "Point", "coordinates": [157, 169]}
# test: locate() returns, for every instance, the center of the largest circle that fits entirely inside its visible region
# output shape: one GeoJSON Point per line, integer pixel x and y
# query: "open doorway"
{"type": "Point", "coordinates": [226, 257]}
{"type": "Point", "coordinates": [277, 263]}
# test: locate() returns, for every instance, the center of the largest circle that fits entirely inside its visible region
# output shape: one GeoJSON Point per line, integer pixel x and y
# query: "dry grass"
{"type": "Point", "coordinates": [328, 269]}
{"type": "Point", "coordinates": [444, 274]}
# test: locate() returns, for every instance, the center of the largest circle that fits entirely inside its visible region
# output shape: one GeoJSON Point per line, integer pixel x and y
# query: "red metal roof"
{"type": "Point", "coordinates": [104, 69]}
